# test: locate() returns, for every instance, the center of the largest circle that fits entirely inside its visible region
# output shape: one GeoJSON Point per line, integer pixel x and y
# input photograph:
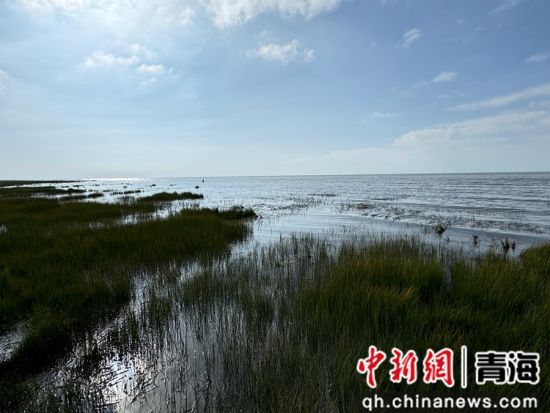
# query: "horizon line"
{"type": "Point", "coordinates": [268, 176]}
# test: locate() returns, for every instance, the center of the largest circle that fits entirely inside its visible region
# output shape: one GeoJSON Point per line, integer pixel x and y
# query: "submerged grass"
{"type": "Point", "coordinates": [64, 273]}
{"type": "Point", "coordinates": [93, 195]}
{"type": "Point", "coordinates": [308, 313]}
{"type": "Point", "coordinates": [237, 212]}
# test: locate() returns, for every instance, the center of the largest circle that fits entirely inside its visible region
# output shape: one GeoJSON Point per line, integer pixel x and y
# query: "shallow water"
{"type": "Point", "coordinates": [492, 205]}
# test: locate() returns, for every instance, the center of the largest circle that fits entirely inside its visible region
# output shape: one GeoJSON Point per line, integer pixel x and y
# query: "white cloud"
{"type": "Point", "coordinates": [157, 69]}
{"type": "Point", "coordinates": [537, 58]}
{"type": "Point", "coordinates": [506, 5]}
{"type": "Point", "coordinates": [445, 77]}
{"type": "Point", "coordinates": [527, 94]}
{"type": "Point", "coordinates": [309, 55]}
{"type": "Point", "coordinates": [117, 15]}
{"type": "Point", "coordinates": [227, 13]}
{"type": "Point", "coordinates": [409, 37]}
{"type": "Point", "coordinates": [102, 60]}
{"type": "Point", "coordinates": [224, 13]}
{"type": "Point", "coordinates": [284, 53]}
{"type": "Point", "coordinates": [383, 115]}
{"type": "Point", "coordinates": [154, 71]}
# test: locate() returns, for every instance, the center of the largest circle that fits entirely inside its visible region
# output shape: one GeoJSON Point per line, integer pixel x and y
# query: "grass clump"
{"type": "Point", "coordinates": [171, 196]}
{"type": "Point", "coordinates": [129, 192]}
{"type": "Point", "coordinates": [440, 229]}
{"type": "Point", "coordinates": [81, 197]}
{"type": "Point", "coordinates": [25, 191]}
{"type": "Point", "coordinates": [64, 274]}
{"type": "Point", "coordinates": [238, 212]}
{"type": "Point", "coordinates": [326, 306]}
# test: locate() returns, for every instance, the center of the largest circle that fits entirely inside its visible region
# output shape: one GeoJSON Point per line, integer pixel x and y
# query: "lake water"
{"type": "Point", "coordinates": [490, 206]}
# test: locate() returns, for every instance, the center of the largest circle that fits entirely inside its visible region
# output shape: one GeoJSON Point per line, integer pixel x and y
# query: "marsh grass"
{"type": "Point", "coordinates": [171, 196]}
{"type": "Point", "coordinates": [307, 312]}
{"type": "Point", "coordinates": [129, 192]}
{"type": "Point", "coordinates": [64, 274]}
{"type": "Point", "coordinates": [24, 191]}
{"type": "Point", "coordinates": [81, 197]}
{"type": "Point", "coordinates": [237, 212]}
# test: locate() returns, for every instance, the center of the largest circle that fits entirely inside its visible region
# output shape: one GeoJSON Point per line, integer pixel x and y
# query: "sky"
{"type": "Point", "coordinates": [166, 88]}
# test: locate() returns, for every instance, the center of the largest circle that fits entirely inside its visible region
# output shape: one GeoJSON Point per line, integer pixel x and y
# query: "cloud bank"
{"type": "Point", "coordinates": [223, 13]}
{"type": "Point", "coordinates": [227, 13]}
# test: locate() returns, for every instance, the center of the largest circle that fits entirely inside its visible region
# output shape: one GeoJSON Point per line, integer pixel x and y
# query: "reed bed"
{"type": "Point", "coordinates": [306, 311]}
{"type": "Point", "coordinates": [171, 196]}
{"type": "Point", "coordinates": [281, 327]}
{"type": "Point", "coordinates": [66, 267]}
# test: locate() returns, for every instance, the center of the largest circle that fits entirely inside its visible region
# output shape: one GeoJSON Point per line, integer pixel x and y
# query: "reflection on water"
{"type": "Point", "coordinates": [10, 341]}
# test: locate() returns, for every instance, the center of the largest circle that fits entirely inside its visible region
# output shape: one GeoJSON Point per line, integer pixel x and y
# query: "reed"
{"type": "Point", "coordinates": [167, 196]}
{"type": "Point", "coordinates": [67, 266]}
{"type": "Point", "coordinates": [319, 309]}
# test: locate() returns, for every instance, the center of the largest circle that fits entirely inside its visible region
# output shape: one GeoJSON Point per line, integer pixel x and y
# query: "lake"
{"type": "Point", "coordinates": [491, 206]}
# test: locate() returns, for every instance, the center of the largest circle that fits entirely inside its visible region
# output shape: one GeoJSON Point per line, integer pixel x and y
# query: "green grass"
{"type": "Point", "coordinates": [173, 196]}
{"type": "Point", "coordinates": [238, 213]}
{"type": "Point", "coordinates": [129, 192]}
{"type": "Point", "coordinates": [93, 195]}
{"type": "Point", "coordinates": [67, 266]}
{"type": "Point", "coordinates": [33, 214]}
{"type": "Point", "coordinates": [24, 191]}
{"type": "Point", "coordinates": [307, 313]}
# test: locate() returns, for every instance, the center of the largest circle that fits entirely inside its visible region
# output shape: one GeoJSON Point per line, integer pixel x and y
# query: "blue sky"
{"type": "Point", "coordinates": [128, 88]}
